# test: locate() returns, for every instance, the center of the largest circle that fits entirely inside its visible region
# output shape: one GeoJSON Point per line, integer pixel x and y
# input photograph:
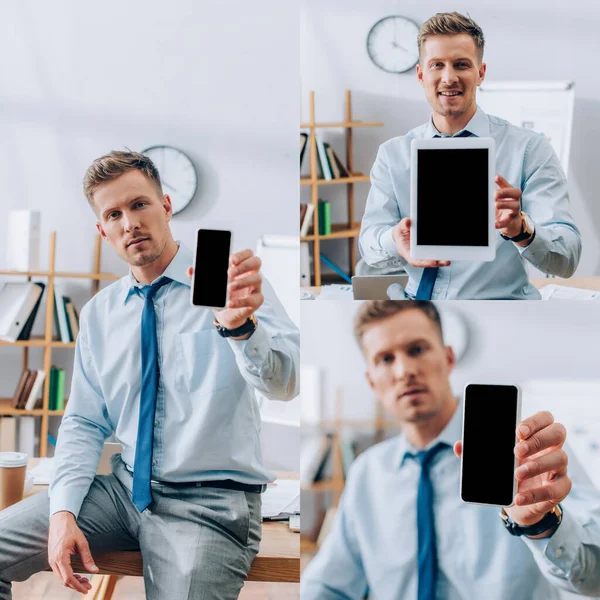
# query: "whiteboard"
{"type": "Point", "coordinates": [543, 106]}
{"type": "Point", "coordinates": [280, 255]}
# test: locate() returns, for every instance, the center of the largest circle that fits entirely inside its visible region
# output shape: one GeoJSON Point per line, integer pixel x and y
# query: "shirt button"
{"type": "Point", "coordinates": [559, 552]}
{"type": "Point", "coordinates": [153, 463]}
{"type": "Point", "coordinates": [253, 352]}
{"type": "Point", "coordinates": [155, 423]}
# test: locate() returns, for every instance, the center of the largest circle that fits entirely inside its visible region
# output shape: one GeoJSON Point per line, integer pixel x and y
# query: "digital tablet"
{"type": "Point", "coordinates": [452, 199]}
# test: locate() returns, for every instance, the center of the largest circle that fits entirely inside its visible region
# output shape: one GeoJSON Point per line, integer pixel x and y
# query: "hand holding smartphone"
{"type": "Point", "coordinates": [211, 263]}
{"type": "Point", "coordinates": [491, 414]}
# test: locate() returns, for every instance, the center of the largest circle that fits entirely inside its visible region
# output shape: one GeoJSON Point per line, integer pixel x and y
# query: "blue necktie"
{"type": "Point", "coordinates": [426, 284]}
{"type": "Point", "coordinates": [429, 276]}
{"type": "Point", "coordinates": [142, 469]}
{"type": "Point", "coordinates": [427, 548]}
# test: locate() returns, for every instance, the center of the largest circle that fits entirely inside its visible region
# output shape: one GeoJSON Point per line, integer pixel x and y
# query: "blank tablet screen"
{"type": "Point", "coordinates": [453, 197]}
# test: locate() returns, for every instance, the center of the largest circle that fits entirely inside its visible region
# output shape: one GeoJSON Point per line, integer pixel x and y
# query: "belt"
{"type": "Point", "coordinates": [228, 484]}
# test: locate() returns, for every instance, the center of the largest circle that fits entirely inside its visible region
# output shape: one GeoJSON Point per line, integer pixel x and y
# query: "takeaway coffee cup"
{"type": "Point", "coordinates": [13, 466]}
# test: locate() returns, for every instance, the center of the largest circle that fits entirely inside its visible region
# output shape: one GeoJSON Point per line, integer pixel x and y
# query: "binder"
{"type": "Point", "coordinates": [17, 301]}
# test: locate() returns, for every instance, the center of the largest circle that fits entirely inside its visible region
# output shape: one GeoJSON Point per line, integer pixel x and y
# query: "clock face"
{"type": "Point", "coordinates": [392, 44]}
{"type": "Point", "coordinates": [177, 174]}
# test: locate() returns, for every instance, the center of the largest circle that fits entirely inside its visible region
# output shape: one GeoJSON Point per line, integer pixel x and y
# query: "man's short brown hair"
{"type": "Point", "coordinates": [378, 310]}
{"type": "Point", "coordinates": [452, 23]}
{"type": "Point", "coordinates": [113, 165]}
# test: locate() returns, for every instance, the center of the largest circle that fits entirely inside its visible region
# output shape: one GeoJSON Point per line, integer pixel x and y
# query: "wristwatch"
{"type": "Point", "coordinates": [551, 519]}
{"type": "Point", "coordinates": [248, 327]}
{"type": "Point", "coordinates": [527, 230]}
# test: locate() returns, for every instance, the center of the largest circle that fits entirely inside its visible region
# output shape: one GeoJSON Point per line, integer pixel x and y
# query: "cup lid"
{"type": "Point", "coordinates": [13, 459]}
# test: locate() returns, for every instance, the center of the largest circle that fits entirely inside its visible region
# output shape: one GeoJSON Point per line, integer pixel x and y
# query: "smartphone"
{"type": "Point", "coordinates": [491, 414]}
{"type": "Point", "coordinates": [211, 261]}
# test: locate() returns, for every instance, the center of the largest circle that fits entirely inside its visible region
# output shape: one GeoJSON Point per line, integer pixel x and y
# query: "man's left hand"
{"type": "Point", "coordinates": [244, 287]}
{"type": "Point", "coordinates": [541, 471]}
{"type": "Point", "coordinates": [508, 208]}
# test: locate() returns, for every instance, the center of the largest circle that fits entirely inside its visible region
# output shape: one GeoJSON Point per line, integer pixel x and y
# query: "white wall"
{"type": "Point", "coordinates": [217, 79]}
{"type": "Point", "coordinates": [508, 341]}
{"type": "Point", "coordinates": [535, 40]}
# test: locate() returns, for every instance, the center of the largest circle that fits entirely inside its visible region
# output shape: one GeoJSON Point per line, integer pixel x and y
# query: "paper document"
{"type": "Point", "coordinates": [43, 472]}
{"type": "Point", "coordinates": [281, 499]}
{"type": "Point", "coordinates": [562, 292]}
{"type": "Point", "coordinates": [336, 291]}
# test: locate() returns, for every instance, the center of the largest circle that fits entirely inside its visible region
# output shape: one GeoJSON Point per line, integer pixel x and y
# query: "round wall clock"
{"type": "Point", "coordinates": [177, 174]}
{"type": "Point", "coordinates": [392, 44]}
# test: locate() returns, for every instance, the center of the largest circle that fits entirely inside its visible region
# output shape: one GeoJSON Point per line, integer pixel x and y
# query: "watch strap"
{"type": "Point", "coordinates": [549, 520]}
{"type": "Point", "coordinates": [248, 327]}
{"type": "Point", "coordinates": [524, 234]}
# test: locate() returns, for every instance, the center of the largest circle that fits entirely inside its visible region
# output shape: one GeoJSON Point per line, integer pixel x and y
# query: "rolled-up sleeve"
{"type": "Point", "coordinates": [556, 248]}
{"type": "Point", "coordinates": [82, 432]}
{"type": "Point", "coordinates": [382, 213]}
{"type": "Point", "coordinates": [269, 359]}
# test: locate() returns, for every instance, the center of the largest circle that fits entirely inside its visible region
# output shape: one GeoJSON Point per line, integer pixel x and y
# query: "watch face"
{"type": "Point", "coordinates": [392, 44]}
{"type": "Point", "coordinates": [177, 174]}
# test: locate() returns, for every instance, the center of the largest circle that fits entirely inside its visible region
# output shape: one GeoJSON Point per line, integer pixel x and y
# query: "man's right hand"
{"type": "Point", "coordinates": [401, 235]}
{"type": "Point", "coordinates": [65, 539]}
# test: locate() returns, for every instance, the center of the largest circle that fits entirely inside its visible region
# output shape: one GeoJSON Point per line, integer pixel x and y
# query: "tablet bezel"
{"type": "Point", "coordinates": [429, 252]}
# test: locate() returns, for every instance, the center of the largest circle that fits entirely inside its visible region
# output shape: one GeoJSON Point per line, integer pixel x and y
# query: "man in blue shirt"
{"type": "Point", "coordinates": [382, 546]}
{"type": "Point", "coordinates": [533, 221]}
{"type": "Point", "coordinates": [175, 384]}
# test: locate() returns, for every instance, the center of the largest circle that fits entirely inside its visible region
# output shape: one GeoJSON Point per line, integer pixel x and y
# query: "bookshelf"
{"type": "Point", "coordinates": [334, 485]}
{"type": "Point", "coordinates": [351, 228]}
{"type": "Point", "coordinates": [47, 342]}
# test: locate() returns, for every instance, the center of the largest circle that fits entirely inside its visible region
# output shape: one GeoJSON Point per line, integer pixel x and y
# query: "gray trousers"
{"type": "Point", "coordinates": [197, 543]}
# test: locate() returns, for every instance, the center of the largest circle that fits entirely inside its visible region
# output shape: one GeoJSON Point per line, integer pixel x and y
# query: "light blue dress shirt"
{"type": "Point", "coordinates": [372, 547]}
{"type": "Point", "coordinates": [207, 417]}
{"type": "Point", "coordinates": [527, 161]}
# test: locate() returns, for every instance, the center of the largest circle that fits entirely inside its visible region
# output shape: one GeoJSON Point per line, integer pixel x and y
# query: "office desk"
{"type": "Point", "coordinates": [587, 283]}
{"type": "Point", "coordinates": [278, 558]}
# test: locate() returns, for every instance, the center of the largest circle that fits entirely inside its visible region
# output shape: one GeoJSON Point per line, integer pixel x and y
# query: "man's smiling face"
{"type": "Point", "coordinates": [450, 70]}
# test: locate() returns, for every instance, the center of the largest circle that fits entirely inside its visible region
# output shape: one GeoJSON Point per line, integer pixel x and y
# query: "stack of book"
{"type": "Point", "coordinates": [306, 218]}
{"type": "Point", "coordinates": [330, 164]}
{"type": "Point", "coordinates": [316, 452]}
{"type": "Point", "coordinates": [28, 394]}
{"type": "Point", "coordinates": [19, 304]}
{"type": "Point", "coordinates": [66, 318]}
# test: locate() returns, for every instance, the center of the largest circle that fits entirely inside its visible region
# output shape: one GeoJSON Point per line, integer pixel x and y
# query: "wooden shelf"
{"type": "Point", "coordinates": [35, 342]}
{"type": "Point", "coordinates": [48, 341]}
{"type": "Point", "coordinates": [356, 178]}
{"type": "Point", "coordinates": [62, 344]}
{"type": "Point", "coordinates": [341, 124]}
{"type": "Point", "coordinates": [339, 231]}
{"type": "Point", "coordinates": [323, 486]}
{"type": "Point", "coordinates": [351, 229]}
{"type": "Point", "coordinates": [6, 409]}
{"type": "Point", "coordinates": [92, 276]}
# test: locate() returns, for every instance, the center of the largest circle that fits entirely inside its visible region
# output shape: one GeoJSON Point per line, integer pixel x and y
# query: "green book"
{"type": "Point", "coordinates": [60, 390]}
{"type": "Point", "coordinates": [52, 397]}
{"type": "Point", "coordinates": [327, 218]}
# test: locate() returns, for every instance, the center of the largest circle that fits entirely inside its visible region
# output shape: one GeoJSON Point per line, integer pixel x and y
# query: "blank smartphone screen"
{"type": "Point", "coordinates": [453, 197]}
{"type": "Point", "coordinates": [210, 270]}
{"type": "Point", "coordinates": [489, 437]}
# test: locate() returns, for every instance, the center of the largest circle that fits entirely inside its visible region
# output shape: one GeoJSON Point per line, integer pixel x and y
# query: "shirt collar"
{"type": "Point", "coordinates": [478, 126]}
{"type": "Point", "coordinates": [176, 270]}
{"type": "Point", "coordinates": [449, 435]}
